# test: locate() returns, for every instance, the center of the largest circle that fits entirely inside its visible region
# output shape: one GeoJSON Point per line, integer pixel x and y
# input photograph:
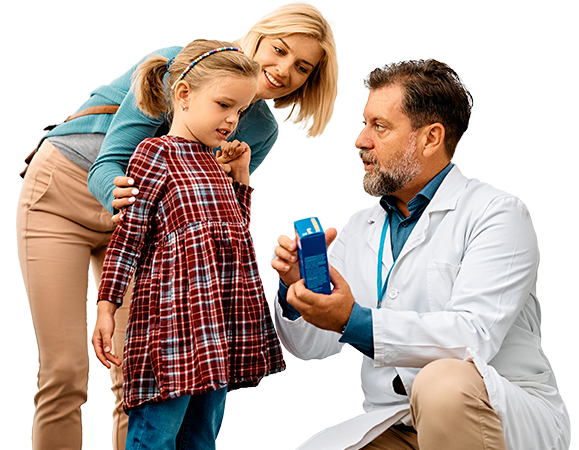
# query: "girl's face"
{"type": "Point", "coordinates": [286, 63]}
{"type": "Point", "coordinates": [211, 114]}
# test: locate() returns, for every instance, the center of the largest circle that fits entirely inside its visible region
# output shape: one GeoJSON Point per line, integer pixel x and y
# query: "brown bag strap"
{"type": "Point", "coordinates": [100, 109]}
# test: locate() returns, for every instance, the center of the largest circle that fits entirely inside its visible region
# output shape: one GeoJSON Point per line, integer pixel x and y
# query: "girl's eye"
{"type": "Point", "coordinates": [224, 105]}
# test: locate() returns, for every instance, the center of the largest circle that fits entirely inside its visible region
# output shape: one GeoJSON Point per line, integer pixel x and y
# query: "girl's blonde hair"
{"type": "Point", "coordinates": [317, 95]}
{"type": "Point", "coordinates": [154, 77]}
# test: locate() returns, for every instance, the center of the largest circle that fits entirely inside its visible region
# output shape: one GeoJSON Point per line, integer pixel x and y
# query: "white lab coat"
{"type": "Point", "coordinates": [463, 287]}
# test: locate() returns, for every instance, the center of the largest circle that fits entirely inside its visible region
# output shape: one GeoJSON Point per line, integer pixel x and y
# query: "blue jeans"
{"type": "Point", "coordinates": [190, 422]}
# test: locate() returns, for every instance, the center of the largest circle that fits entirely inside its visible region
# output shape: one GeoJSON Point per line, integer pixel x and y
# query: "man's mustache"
{"type": "Point", "coordinates": [366, 155]}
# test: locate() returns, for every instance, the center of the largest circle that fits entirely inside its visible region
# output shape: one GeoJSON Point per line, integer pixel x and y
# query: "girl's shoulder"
{"type": "Point", "coordinates": [169, 142]}
{"type": "Point", "coordinates": [152, 142]}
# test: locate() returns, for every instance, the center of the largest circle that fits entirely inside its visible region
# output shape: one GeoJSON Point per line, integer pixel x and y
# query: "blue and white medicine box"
{"type": "Point", "coordinates": [313, 255]}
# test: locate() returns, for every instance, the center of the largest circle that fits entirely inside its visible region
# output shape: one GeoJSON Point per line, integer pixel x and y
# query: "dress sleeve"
{"type": "Point", "coordinates": [147, 165]}
{"type": "Point", "coordinates": [243, 194]}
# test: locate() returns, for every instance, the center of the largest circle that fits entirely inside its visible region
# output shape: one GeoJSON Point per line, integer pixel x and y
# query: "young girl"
{"type": "Point", "coordinates": [199, 324]}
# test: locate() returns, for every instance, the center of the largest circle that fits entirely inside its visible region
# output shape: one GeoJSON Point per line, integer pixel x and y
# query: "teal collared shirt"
{"type": "Point", "coordinates": [359, 331]}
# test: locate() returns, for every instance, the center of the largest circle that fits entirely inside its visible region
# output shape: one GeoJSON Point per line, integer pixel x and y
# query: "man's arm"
{"type": "Point", "coordinates": [301, 338]}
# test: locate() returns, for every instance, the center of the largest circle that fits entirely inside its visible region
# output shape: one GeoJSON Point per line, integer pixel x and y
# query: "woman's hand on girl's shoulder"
{"type": "Point", "coordinates": [124, 193]}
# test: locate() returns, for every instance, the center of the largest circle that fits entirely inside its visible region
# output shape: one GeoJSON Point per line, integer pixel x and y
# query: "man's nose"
{"type": "Point", "coordinates": [364, 140]}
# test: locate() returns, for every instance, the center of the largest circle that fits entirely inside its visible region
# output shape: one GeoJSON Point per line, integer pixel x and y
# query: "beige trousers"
{"type": "Point", "coordinates": [450, 411]}
{"type": "Point", "coordinates": [61, 229]}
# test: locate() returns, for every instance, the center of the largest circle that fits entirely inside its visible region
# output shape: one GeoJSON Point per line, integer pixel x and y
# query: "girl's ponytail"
{"type": "Point", "coordinates": [149, 86]}
{"type": "Point", "coordinates": [154, 79]}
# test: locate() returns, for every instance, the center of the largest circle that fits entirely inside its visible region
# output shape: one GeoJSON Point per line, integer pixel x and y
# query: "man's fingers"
{"type": "Point", "coordinates": [285, 255]}
{"type": "Point", "coordinates": [280, 266]}
{"type": "Point", "coordinates": [287, 243]}
{"type": "Point", "coordinates": [336, 277]}
{"type": "Point", "coordinates": [331, 235]}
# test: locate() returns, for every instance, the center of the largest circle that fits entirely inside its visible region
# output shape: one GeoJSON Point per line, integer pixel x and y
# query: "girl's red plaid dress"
{"type": "Point", "coordinates": [199, 320]}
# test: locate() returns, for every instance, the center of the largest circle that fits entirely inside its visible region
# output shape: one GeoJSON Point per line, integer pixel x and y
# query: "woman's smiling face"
{"type": "Point", "coordinates": [285, 64]}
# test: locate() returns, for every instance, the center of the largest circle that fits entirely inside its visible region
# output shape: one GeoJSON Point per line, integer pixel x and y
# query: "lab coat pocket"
{"type": "Point", "coordinates": [440, 281]}
{"type": "Point", "coordinates": [530, 380]}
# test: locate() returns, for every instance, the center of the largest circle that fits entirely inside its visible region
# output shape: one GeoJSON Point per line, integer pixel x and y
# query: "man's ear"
{"type": "Point", "coordinates": [433, 139]}
{"type": "Point", "coordinates": [183, 94]}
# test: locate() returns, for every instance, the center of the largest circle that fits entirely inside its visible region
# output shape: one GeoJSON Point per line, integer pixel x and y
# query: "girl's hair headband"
{"type": "Point", "coordinates": [203, 56]}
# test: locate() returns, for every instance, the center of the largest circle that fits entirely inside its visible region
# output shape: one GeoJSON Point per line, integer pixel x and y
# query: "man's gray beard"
{"type": "Point", "coordinates": [381, 181]}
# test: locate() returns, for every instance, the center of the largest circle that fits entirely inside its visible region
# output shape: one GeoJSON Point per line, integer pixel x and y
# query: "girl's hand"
{"type": "Point", "coordinates": [124, 194]}
{"type": "Point", "coordinates": [103, 332]}
{"type": "Point", "coordinates": [231, 150]}
{"type": "Point", "coordinates": [234, 158]}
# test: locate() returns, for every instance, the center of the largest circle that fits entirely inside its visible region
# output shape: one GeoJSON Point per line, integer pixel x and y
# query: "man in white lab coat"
{"type": "Point", "coordinates": [435, 285]}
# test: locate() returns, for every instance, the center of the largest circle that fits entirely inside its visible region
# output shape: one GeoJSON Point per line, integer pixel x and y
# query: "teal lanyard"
{"type": "Point", "coordinates": [382, 287]}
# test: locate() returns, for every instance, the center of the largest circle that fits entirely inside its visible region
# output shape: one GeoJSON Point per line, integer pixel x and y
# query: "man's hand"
{"type": "Point", "coordinates": [328, 312]}
{"type": "Point", "coordinates": [124, 194]}
{"type": "Point", "coordinates": [286, 262]}
{"type": "Point", "coordinates": [103, 332]}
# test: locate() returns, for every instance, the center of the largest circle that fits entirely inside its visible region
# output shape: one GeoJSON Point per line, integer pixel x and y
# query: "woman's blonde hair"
{"type": "Point", "coordinates": [155, 76]}
{"type": "Point", "coordinates": [317, 95]}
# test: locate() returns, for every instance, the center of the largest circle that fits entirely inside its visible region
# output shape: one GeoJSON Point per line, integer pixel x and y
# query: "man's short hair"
{"type": "Point", "coordinates": [434, 93]}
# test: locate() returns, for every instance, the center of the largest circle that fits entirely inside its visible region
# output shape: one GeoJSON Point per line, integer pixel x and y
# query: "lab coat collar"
{"type": "Point", "coordinates": [447, 195]}
{"type": "Point", "coordinates": [445, 199]}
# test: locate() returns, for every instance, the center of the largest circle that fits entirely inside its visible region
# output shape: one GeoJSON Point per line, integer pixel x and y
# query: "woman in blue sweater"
{"type": "Point", "coordinates": [62, 228]}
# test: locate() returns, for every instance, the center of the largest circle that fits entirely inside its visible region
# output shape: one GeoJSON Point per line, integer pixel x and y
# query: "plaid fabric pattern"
{"type": "Point", "coordinates": [198, 319]}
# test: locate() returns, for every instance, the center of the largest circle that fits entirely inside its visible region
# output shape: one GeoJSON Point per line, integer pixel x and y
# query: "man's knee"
{"type": "Point", "coordinates": [446, 384]}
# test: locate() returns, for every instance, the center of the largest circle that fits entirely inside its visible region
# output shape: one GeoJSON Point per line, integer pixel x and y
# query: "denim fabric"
{"type": "Point", "coordinates": [189, 422]}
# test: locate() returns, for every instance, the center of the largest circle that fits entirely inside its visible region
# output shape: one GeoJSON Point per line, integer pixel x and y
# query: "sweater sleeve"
{"type": "Point", "coordinates": [128, 129]}
{"type": "Point", "coordinates": [124, 250]}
